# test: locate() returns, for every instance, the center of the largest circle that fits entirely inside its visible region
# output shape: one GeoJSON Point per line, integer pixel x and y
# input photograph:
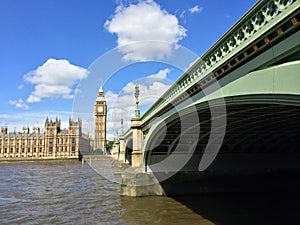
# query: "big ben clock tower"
{"type": "Point", "coordinates": [100, 111]}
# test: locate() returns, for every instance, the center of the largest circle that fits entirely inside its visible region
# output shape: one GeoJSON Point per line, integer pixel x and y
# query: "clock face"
{"type": "Point", "coordinates": [100, 108]}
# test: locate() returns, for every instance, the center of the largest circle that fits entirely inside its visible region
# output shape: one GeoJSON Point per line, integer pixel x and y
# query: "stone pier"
{"type": "Point", "coordinates": [137, 154]}
{"type": "Point", "coordinates": [121, 149]}
{"type": "Point", "coordinates": [137, 183]}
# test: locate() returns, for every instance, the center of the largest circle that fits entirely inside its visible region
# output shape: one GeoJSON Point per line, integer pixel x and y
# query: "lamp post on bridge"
{"type": "Point", "coordinates": [122, 126]}
{"type": "Point", "coordinates": [122, 157]}
{"type": "Point", "coordinates": [136, 155]}
{"type": "Point", "coordinates": [136, 94]}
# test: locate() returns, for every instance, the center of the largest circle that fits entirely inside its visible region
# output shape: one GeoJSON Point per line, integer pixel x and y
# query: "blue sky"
{"type": "Point", "coordinates": [55, 53]}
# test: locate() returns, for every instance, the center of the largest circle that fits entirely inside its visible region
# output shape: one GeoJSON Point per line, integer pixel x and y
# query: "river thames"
{"type": "Point", "coordinates": [64, 192]}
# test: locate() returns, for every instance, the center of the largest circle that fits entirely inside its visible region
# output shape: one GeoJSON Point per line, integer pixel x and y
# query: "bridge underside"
{"type": "Point", "coordinates": [251, 129]}
{"type": "Point", "coordinates": [261, 139]}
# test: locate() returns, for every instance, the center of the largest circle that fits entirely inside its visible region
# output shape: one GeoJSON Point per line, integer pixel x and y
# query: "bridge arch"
{"type": "Point", "coordinates": [262, 110]}
{"type": "Point", "coordinates": [128, 150]}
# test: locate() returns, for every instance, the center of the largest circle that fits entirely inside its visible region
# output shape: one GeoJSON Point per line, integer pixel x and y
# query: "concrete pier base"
{"type": "Point", "coordinates": [122, 157]}
{"type": "Point", "coordinates": [137, 183]}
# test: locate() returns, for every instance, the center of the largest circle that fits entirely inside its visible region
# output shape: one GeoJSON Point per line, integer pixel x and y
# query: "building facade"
{"type": "Point", "coordinates": [53, 143]}
{"type": "Point", "coordinates": [100, 111]}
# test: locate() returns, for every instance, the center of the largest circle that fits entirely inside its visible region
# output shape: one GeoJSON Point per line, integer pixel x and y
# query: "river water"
{"type": "Point", "coordinates": [64, 192]}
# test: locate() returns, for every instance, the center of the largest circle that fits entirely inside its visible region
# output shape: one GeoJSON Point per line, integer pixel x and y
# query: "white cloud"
{"type": "Point", "coordinates": [20, 104]}
{"type": "Point", "coordinates": [54, 79]}
{"type": "Point", "coordinates": [196, 9]}
{"type": "Point", "coordinates": [161, 75]}
{"type": "Point", "coordinates": [182, 14]}
{"type": "Point", "coordinates": [145, 31]}
{"type": "Point", "coordinates": [122, 105]}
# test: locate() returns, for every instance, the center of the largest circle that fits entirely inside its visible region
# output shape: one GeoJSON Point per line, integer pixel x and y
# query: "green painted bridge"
{"type": "Point", "coordinates": [235, 110]}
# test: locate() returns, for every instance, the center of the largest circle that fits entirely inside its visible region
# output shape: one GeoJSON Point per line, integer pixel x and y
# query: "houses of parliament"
{"type": "Point", "coordinates": [55, 142]}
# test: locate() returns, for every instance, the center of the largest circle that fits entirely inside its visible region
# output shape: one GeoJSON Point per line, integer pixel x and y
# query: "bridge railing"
{"type": "Point", "coordinates": [261, 18]}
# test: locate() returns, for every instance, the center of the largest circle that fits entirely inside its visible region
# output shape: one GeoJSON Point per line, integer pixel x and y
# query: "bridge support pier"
{"type": "Point", "coordinates": [137, 183]}
{"type": "Point", "coordinates": [122, 149]}
{"type": "Point", "coordinates": [137, 154]}
{"type": "Point", "coordinates": [115, 150]}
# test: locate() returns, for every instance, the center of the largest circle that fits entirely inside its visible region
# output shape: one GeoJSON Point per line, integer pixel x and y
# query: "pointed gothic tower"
{"type": "Point", "coordinates": [100, 111]}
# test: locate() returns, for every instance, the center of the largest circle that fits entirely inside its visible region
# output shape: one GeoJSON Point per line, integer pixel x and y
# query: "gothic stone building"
{"type": "Point", "coordinates": [100, 112]}
{"type": "Point", "coordinates": [53, 143]}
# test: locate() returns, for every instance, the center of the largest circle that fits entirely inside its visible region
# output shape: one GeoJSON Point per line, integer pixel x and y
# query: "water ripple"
{"type": "Point", "coordinates": [56, 193]}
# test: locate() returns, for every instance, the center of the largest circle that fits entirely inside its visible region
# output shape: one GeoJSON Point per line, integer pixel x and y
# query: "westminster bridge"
{"type": "Point", "coordinates": [235, 111]}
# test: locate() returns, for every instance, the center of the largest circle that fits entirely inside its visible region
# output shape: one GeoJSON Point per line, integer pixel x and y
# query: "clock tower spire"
{"type": "Point", "coordinates": [100, 111]}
